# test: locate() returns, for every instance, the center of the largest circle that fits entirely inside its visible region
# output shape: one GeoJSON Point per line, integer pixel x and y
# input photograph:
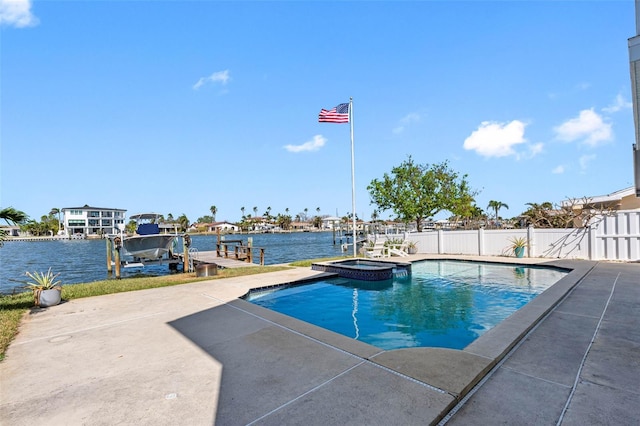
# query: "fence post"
{"type": "Point", "coordinates": [592, 229]}
{"type": "Point", "coordinates": [531, 232]}
{"type": "Point", "coordinates": [440, 241]}
{"type": "Point", "coordinates": [481, 241]}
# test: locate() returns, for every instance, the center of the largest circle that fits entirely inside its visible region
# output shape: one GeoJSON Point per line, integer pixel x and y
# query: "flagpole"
{"type": "Point", "coordinates": [353, 180]}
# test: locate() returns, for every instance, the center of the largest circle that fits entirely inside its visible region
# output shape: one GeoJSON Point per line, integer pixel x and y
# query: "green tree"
{"type": "Point", "coordinates": [496, 206]}
{"type": "Point", "coordinates": [544, 215]}
{"type": "Point", "coordinates": [51, 223]}
{"type": "Point", "coordinates": [242, 210]}
{"type": "Point", "coordinates": [130, 228]}
{"type": "Point", "coordinates": [205, 219]}
{"type": "Point", "coordinates": [267, 214]}
{"type": "Point", "coordinates": [213, 210]}
{"type": "Point", "coordinates": [283, 221]}
{"type": "Point", "coordinates": [183, 221]}
{"type": "Point", "coordinates": [317, 222]}
{"type": "Point", "coordinates": [56, 211]}
{"type": "Point", "coordinates": [415, 192]}
{"type": "Point", "coordinates": [12, 217]}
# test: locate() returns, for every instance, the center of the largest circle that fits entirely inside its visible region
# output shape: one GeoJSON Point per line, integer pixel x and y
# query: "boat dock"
{"type": "Point", "coordinates": [222, 262]}
{"type": "Point", "coordinates": [228, 254]}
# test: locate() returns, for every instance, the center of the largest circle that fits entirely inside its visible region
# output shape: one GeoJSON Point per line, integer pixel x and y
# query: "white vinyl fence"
{"type": "Point", "coordinates": [611, 237]}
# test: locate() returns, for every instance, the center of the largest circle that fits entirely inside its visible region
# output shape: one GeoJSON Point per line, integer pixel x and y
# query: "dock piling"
{"type": "Point", "coordinates": [117, 262]}
{"type": "Point", "coordinates": [109, 255]}
{"type": "Point", "coordinates": [186, 242]}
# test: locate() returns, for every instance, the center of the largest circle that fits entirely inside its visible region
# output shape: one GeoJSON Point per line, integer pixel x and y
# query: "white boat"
{"type": "Point", "coordinates": [148, 243]}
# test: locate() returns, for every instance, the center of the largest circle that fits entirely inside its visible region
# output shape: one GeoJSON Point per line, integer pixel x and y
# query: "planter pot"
{"type": "Point", "coordinates": [519, 251]}
{"type": "Point", "coordinates": [46, 298]}
{"type": "Point", "coordinates": [412, 250]}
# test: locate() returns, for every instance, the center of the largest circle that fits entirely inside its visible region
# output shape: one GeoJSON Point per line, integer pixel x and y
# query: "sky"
{"type": "Point", "coordinates": [177, 106]}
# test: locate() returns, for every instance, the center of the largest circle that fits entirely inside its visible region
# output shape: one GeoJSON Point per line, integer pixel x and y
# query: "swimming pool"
{"type": "Point", "coordinates": [443, 304]}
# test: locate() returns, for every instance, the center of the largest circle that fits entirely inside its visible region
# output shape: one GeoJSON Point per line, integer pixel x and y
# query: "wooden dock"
{"type": "Point", "coordinates": [211, 257]}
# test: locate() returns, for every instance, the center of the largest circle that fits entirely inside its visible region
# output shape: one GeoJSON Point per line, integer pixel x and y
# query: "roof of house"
{"type": "Point", "coordinates": [86, 207]}
{"type": "Point", "coordinates": [598, 199]}
{"type": "Point", "coordinates": [614, 196]}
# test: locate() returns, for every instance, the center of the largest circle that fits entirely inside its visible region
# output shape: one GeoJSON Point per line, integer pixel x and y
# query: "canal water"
{"type": "Point", "coordinates": [80, 261]}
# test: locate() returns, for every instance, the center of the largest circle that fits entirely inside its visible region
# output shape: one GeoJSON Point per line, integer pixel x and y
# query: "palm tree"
{"type": "Point", "coordinates": [213, 210]}
{"type": "Point", "coordinates": [255, 211]}
{"type": "Point", "coordinates": [183, 221]}
{"type": "Point", "coordinates": [305, 213]}
{"type": "Point", "coordinates": [242, 210]}
{"type": "Point", "coordinates": [496, 206]}
{"type": "Point", "coordinates": [56, 211]}
{"type": "Point", "coordinates": [540, 215]}
{"type": "Point", "coordinates": [11, 216]}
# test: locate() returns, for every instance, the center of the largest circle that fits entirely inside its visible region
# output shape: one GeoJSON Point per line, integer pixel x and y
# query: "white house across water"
{"type": "Point", "coordinates": [90, 221]}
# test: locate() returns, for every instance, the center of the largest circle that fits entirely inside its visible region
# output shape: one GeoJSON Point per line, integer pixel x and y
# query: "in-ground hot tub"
{"type": "Point", "coordinates": [365, 270]}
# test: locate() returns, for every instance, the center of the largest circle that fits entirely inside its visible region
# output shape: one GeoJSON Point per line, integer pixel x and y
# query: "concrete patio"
{"type": "Point", "coordinates": [195, 354]}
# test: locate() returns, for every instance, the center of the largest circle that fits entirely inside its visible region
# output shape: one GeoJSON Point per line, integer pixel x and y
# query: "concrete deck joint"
{"type": "Point", "coordinates": [584, 357]}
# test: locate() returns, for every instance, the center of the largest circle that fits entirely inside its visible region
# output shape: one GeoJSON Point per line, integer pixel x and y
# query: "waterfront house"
{"type": "Point", "coordinates": [11, 230]}
{"type": "Point", "coordinates": [331, 222]}
{"type": "Point", "coordinates": [224, 227]}
{"type": "Point", "coordinates": [624, 199]}
{"type": "Point", "coordinates": [88, 221]}
{"type": "Point", "coordinates": [300, 226]}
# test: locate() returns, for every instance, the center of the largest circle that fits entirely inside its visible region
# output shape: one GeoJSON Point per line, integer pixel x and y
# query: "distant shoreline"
{"type": "Point", "coordinates": [98, 237]}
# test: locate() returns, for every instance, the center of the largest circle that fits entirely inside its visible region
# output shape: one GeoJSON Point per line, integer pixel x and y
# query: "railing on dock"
{"type": "Point", "coordinates": [235, 249]}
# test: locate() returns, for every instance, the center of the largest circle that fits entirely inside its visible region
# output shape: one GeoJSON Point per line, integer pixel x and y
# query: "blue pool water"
{"type": "Point", "coordinates": [443, 304]}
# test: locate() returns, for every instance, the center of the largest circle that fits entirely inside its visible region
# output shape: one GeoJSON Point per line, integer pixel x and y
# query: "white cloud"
{"type": "Point", "coordinates": [585, 160]}
{"type": "Point", "coordinates": [535, 149]}
{"type": "Point", "coordinates": [583, 85]}
{"type": "Point", "coordinates": [408, 119]}
{"type": "Point", "coordinates": [217, 77]}
{"type": "Point", "coordinates": [315, 144]}
{"type": "Point", "coordinates": [617, 105]}
{"type": "Point", "coordinates": [493, 139]}
{"type": "Point", "coordinates": [588, 126]}
{"type": "Point", "coordinates": [17, 13]}
{"type": "Point", "coordinates": [531, 151]}
{"type": "Point", "coordinates": [558, 170]}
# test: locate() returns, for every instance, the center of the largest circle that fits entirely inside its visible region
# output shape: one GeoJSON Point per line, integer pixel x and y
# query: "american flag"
{"type": "Point", "coordinates": [339, 114]}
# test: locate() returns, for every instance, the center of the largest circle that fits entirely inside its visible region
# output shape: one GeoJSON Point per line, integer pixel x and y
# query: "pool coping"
{"type": "Point", "coordinates": [379, 273]}
{"type": "Point", "coordinates": [451, 371]}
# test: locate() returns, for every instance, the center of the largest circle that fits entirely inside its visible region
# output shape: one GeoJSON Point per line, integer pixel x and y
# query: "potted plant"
{"type": "Point", "coordinates": [518, 244]}
{"type": "Point", "coordinates": [412, 247]}
{"type": "Point", "coordinates": [47, 290]}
